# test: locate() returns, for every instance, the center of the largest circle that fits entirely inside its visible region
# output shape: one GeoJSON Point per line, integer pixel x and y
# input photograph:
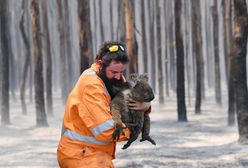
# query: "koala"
{"type": "Point", "coordinates": [138, 89]}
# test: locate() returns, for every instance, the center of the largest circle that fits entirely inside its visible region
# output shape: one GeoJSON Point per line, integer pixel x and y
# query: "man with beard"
{"type": "Point", "coordinates": [86, 137]}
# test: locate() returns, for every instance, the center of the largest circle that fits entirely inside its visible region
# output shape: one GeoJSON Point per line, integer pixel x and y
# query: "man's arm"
{"type": "Point", "coordinates": [95, 113]}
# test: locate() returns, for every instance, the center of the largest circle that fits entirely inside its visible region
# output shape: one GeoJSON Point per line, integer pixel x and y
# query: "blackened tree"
{"type": "Point", "coordinates": [41, 119]}
{"type": "Point", "coordinates": [83, 17]}
{"type": "Point", "coordinates": [181, 107]}
{"type": "Point", "coordinates": [238, 64]}
{"type": "Point", "coordinates": [5, 117]}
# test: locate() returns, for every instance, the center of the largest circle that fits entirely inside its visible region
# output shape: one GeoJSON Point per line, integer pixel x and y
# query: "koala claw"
{"type": "Point", "coordinates": [117, 132]}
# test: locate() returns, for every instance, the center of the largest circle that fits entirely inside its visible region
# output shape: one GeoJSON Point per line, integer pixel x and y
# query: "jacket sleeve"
{"type": "Point", "coordinates": [94, 111]}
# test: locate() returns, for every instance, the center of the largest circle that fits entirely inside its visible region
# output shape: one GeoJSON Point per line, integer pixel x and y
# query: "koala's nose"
{"type": "Point", "coordinates": [152, 97]}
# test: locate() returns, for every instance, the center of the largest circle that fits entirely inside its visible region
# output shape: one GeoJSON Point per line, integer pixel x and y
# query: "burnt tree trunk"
{"type": "Point", "coordinates": [223, 5]}
{"type": "Point", "coordinates": [5, 116]}
{"type": "Point", "coordinates": [90, 39]}
{"type": "Point", "coordinates": [111, 19]}
{"type": "Point", "coordinates": [197, 52]}
{"type": "Point", "coordinates": [68, 42]}
{"type": "Point", "coordinates": [101, 22]}
{"type": "Point", "coordinates": [27, 57]}
{"type": "Point", "coordinates": [48, 56]}
{"type": "Point", "coordinates": [159, 53]}
{"type": "Point", "coordinates": [143, 32]}
{"type": "Point", "coordinates": [187, 51]}
{"type": "Point", "coordinates": [95, 26]}
{"type": "Point", "coordinates": [172, 53]}
{"type": "Point", "coordinates": [231, 95]}
{"type": "Point", "coordinates": [30, 82]}
{"type": "Point", "coordinates": [181, 107]}
{"type": "Point", "coordinates": [203, 94]}
{"type": "Point", "coordinates": [121, 22]}
{"type": "Point", "coordinates": [208, 44]}
{"type": "Point", "coordinates": [152, 42]}
{"type": "Point", "coordinates": [63, 69]}
{"type": "Point", "coordinates": [239, 67]}
{"type": "Point", "coordinates": [130, 37]}
{"type": "Point", "coordinates": [216, 53]}
{"type": "Point", "coordinates": [13, 73]}
{"type": "Point", "coordinates": [166, 50]}
{"type": "Point", "coordinates": [83, 16]}
{"type": "Point", "coordinates": [41, 119]}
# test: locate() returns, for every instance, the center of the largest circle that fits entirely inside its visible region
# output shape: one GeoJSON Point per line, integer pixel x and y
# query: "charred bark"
{"type": "Point", "coordinates": [143, 32]}
{"type": "Point", "coordinates": [111, 19]}
{"type": "Point", "coordinates": [181, 107]}
{"type": "Point", "coordinates": [101, 22]}
{"type": "Point", "coordinates": [216, 53]}
{"type": "Point", "coordinates": [27, 58]}
{"type": "Point", "coordinates": [172, 52]}
{"type": "Point", "coordinates": [83, 17]}
{"type": "Point", "coordinates": [48, 56]}
{"type": "Point", "coordinates": [41, 119]}
{"type": "Point", "coordinates": [159, 53]}
{"type": "Point", "coordinates": [5, 116]}
{"type": "Point", "coordinates": [130, 38]}
{"type": "Point", "coordinates": [152, 42]}
{"type": "Point", "coordinates": [166, 50]}
{"type": "Point", "coordinates": [63, 69]}
{"type": "Point", "coordinates": [197, 52]}
{"type": "Point", "coordinates": [231, 94]}
{"type": "Point", "coordinates": [238, 64]}
{"type": "Point", "coordinates": [121, 22]}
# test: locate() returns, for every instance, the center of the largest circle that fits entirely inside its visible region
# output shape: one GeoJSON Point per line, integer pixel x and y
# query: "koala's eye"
{"type": "Point", "coordinates": [137, 85]}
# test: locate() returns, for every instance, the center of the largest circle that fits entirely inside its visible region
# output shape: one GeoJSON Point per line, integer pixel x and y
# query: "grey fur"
{"type": "Point", "coordinates": [138, 89]}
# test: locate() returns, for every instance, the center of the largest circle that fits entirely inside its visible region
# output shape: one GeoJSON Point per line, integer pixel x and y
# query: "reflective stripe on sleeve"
{"type": "Point", "coordinates": [89, 72]}
{"type": "Point", "coordinates": [103, 127]}
{"type": "Point", "coordinates": [76, 136]}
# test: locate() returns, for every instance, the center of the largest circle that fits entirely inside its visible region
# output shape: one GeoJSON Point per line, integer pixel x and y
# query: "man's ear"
{"type": "Point", "coordinates": [100, 62]}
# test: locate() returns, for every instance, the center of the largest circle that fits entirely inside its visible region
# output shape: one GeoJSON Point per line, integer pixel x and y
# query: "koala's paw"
{"type": "Point", "coordinates": [148, 138]}
{"type": "Point", "coordinates": [117, 132]}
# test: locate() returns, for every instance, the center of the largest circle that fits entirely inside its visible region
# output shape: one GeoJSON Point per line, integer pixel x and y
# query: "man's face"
{"type": "Point", "coordinates": [112, 76]}
{"type": "Point", "coordinates": [115, 70]}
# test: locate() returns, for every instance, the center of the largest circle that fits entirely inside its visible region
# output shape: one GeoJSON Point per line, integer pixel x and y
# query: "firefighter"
{"type": "Point", "coordinates": [86, 136]}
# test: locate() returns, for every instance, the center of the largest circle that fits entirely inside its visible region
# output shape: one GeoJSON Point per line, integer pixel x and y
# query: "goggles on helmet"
{"type": "Point", "coordinates": [115, 48]}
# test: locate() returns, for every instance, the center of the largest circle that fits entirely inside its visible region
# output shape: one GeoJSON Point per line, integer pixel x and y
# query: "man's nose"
{"type": "Point", "coordinates": [118, 76]}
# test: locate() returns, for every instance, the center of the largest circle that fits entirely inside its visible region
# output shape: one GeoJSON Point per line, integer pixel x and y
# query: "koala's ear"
{"type": "Point", "coordinates": [133, 77]}
{"type": "Point", "coordinates": [144, 77]}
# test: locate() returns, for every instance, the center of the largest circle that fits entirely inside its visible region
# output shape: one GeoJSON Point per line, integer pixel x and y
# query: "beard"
{"type": "Point", "coordinates": [113, 85]}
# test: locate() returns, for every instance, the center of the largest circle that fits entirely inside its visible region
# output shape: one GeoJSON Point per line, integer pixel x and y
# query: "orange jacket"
{"type": "Point", "coordinates": [87, 119]}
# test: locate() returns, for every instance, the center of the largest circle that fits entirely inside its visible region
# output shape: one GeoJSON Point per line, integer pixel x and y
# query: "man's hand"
{"type": "Point", "coordinates": [139, 106]}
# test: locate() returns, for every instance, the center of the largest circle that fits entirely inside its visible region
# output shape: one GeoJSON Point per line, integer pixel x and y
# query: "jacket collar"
{"type": "Point", "coordinates": [96, 67]}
